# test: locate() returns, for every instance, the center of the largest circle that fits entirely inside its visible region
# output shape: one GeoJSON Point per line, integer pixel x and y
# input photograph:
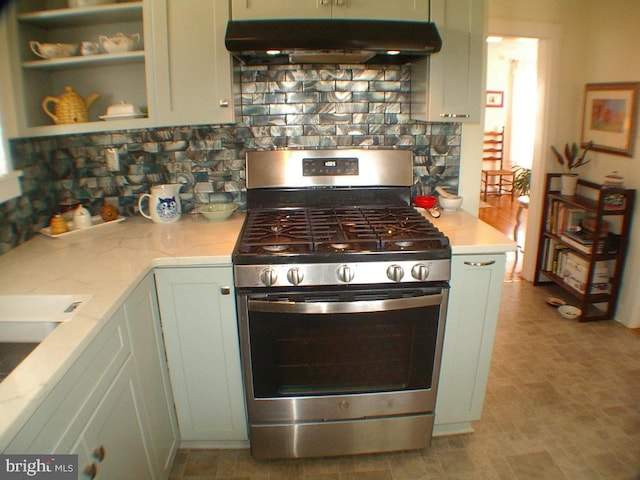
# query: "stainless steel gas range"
{"type": "Point", "coordinates": [342, 292]}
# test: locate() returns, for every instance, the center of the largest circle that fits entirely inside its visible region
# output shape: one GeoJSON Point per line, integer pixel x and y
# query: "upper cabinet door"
{"type": "Point", "coordinates": [417, 10]}
{"type": "Point", "coordinates": [262, 9]}
{"type": "Point", "coordinates": [193, 67]}
{"type": "Point", "coordinates": [447, 86]}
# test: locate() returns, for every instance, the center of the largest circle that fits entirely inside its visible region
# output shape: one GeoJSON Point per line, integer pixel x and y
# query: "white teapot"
{"type": "Point", "coordinates": [119, 42]}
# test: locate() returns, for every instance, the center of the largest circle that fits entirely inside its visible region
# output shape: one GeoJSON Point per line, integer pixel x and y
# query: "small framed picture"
{"type": "Point", "coordinates": [495, 98]}
{"type": "Point", "coordinates": [609, 117]}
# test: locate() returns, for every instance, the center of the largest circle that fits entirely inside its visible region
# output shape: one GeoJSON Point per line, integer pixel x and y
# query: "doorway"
{"type": "Point", "coordinates": [512, 79]}
{"type": "Point", "coordinates": [548, 64]}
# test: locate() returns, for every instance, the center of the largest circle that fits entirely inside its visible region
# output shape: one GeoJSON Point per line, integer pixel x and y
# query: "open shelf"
{"type": "Point", "coordinates": [67, 17]}
{"type": "Point", "coordinates": [136, 56]}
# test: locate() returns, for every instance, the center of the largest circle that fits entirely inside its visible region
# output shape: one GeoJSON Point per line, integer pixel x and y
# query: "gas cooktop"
{"type": "Point", "coordinates": [312, 233]}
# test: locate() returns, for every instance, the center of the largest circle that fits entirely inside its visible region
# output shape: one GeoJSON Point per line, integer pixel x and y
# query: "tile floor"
{"type": "Point", "coordinates": [563, 403]}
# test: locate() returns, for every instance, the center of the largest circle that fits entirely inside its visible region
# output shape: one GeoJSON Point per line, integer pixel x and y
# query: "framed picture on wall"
{"type": "Point", "coordinates": [610, 116]}
{"type": "Point", "coordinates": [495, 98]}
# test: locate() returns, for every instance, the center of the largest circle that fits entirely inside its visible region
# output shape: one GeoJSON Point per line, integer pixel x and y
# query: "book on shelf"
{"type": "Point", "coordinates": [589, 223]}
{"type": "Point", "coordinates": [583, 241]}
{"type": "Point", "coordinates": [577, 245]}
{"type": "Point", "coordinates": [581, 236]}
{"type": "Point", "coordinates": [552, 259]}
{"type": "Point", "coordinates": [561, 218]}
{"type": "Point", "coordinates": [576, 271]}
{"type": "Point", "coordinates": [571, 220]}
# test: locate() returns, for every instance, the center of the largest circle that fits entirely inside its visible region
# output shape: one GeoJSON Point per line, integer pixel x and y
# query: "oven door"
{"type": "Point", "coordinates": [341, 354]}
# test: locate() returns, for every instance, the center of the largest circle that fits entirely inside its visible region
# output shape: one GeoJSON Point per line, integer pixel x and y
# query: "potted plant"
{"type": "Point", "coordinates": [521, 181]}
{"type": "Point", "coordinates": [571, 160]}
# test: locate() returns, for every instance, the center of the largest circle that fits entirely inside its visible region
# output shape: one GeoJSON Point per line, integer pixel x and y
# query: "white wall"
{"type": "Point", "coordinates": [599, 43]}
{"type": "Point", "coordinates": [497, 79]}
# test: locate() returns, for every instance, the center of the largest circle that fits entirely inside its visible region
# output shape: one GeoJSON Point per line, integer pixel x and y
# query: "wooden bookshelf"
{"type": "Point", "coordinates": [583, 244]}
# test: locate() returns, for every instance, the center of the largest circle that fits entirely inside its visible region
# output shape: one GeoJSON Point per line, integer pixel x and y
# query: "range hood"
{"type": "Point", "coordinates": [256, 42]}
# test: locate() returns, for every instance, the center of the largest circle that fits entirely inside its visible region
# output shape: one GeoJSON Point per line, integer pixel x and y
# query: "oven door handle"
{"type": "Point", "coordinates": [345, 307]}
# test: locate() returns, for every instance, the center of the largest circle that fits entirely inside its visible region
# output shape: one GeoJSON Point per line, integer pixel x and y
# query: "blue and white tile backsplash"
{"type": "Point", "coordinates": [289, 106]}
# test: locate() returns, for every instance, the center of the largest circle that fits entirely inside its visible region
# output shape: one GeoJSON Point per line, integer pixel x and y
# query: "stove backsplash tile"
{"type": "Point", "coordinates": [288, 106]}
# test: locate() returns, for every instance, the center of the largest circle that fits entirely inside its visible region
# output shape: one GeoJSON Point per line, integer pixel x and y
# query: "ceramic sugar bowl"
{"type": "Point", "coordinates": [119, 42]}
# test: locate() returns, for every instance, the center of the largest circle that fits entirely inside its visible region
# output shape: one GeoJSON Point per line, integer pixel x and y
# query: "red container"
{"type": "Point", "coordinates": [425, 201]}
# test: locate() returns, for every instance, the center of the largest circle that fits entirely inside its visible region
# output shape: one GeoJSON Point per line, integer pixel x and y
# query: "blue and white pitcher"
{"type": "Point", "coordinates": [164, 203]}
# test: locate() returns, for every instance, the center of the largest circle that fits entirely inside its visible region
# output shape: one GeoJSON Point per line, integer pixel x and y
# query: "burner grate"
{"type": "Point", "coordinates": [339, 229]}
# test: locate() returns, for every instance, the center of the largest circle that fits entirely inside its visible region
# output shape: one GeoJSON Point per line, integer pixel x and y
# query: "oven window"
{"type": "Point", "coordinates": [305, 354]}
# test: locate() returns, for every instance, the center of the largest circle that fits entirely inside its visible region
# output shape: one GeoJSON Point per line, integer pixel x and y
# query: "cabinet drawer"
{"type": "Point", "coordinates": [57, 423]}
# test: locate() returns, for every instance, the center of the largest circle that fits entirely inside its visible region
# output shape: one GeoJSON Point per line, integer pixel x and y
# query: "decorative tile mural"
{"type": "Point", "coordinates": [291, 106]}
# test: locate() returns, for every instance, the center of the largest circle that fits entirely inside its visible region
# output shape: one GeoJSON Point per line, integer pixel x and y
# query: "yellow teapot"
{"type": "Point", "coordinates": [69, 107]}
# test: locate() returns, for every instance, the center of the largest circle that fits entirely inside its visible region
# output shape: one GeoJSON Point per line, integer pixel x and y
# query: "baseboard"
{"type": "Point", "coordinates": [452, 429]}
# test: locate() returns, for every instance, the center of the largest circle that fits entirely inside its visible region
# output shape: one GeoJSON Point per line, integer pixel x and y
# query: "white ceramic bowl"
{"type": "Point", "coordinates": [449, 204]}
{"type": "Point", "coordinates": [217, 211]}
{"type": "Point", "coordinates": [569, 312]}
{"type": "Point", "coordinates": [555, 301]}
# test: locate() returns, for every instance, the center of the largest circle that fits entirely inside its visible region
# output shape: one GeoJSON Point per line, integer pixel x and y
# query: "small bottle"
{"type": "Point", "coordinates": [58, 225]}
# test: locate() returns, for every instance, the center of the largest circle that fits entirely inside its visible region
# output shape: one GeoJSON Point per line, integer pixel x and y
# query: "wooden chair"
{"type": "Point", "coordinates": [496, 179]}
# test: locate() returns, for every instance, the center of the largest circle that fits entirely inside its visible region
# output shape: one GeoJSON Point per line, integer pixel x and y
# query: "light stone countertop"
{"type": "Point", "coordinates": [108, 262]}
{"type": "Point", "coordinates": [468, 235]}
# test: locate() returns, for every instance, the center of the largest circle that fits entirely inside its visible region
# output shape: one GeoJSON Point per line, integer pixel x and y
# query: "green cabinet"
{"type": "Point", "coordinates": [415, 10]}
{"type": "Point", "coordinates": [180, 71]}
{"type": "Point", "coordinates": [191, 63]}
{"type": "Point", "coordinates": [472, 315]}
{"type": "Point", "coordinates": [197, 307]}
{"type": "Point", "coordinates": [447, 86]}
{"type": "Point", "coordinates": [113, 407]}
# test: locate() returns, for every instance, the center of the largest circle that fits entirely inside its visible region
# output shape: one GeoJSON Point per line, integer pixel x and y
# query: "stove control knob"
{"type": "Point", "coordinates": [269, 277]}
{"type": "Point", "coordinates": [395, 273]}
{"type": "Point", "coordinates": [345, 273]}
{"type": "Point", "coordinates": [420, 272]}
{"type": "Point", "coordinates": [295, 276]}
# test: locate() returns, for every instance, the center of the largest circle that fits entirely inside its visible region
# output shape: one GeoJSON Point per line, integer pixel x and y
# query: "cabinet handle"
{"type": "Point", "coordinates": [91, 471]}
{"type": "Point", "coordinates": [224, 103]}
{"type": "Point", "coordinates": [455, 115]}
{"type": "Point", "coordinates": [225, 290]}
{"type": "Point", "coordinates": [99, 453]}
{"type": "Point", "coordinates": [339, 3]}
{"type": "Point", "coordinates": [479, 264]}
{"type": "Point", "coordinates": [324, 2]}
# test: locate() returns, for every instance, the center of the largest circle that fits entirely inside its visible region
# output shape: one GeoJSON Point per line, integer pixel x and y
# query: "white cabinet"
{"type": "Point", "coordinates": [112, 445]}
{"type": "Point", "coordinates": [416, 10]}
{"type": "Point", "coordinates": [59, 420]}
{"type": "Point", "coordinates": [149, 359]}
{"type": "Point", "coordinates": [193, 67]}
{"type": "Point", "coordinates": [197, 308]}
{"type": "Point", "coordinates": [447, 86]}
{"type": "Point", "coordinates": [472, 315]}
{"type": "Point", "coordinates": [114, 402]}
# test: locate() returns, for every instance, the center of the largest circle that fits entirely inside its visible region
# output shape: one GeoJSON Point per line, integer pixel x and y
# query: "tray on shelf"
{"type": "Point", "coordinates": [96, 221]}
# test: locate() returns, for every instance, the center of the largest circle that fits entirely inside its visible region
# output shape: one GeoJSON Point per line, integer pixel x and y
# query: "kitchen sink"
{"type": "Point", "coordinates": [30, 318]}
